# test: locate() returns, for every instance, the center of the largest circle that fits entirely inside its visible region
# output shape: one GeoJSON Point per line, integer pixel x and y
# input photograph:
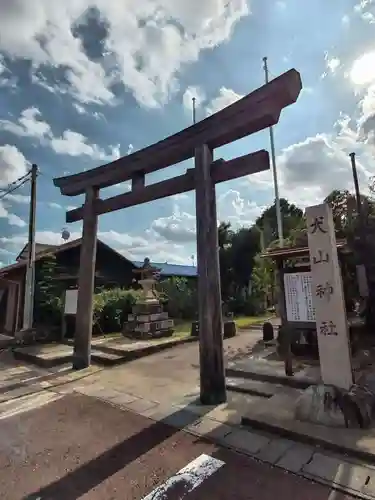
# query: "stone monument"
{"type": "Point", "coordinates": [330, 403]}
{"type": "Point", "coordinates": [147, 319]}
{"type": "Point", "coordinates": [328, 299]}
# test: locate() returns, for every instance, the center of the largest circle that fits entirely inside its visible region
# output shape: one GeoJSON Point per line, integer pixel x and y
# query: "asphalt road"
{"type": "Point", "coordinates": [80, 447]}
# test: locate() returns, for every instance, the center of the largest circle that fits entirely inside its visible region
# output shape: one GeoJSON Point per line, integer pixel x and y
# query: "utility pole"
{"type": "Point", "coordinates": [194, 120]}
{"type": "Point", "coordinates": [28, 310]}
{"type": "Point", "coordinates": [356, 188]}
{"type": "Point", "coordinates": [274, 171]}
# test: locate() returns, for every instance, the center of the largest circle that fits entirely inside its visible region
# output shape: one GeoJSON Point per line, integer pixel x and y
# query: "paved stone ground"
{"type": "Point", "coordinates": [80, 447]}
{"type": "Point", "coordinates": [162, 387]}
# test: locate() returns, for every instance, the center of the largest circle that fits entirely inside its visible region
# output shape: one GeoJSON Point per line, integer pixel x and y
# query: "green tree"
{"type": "Point", "coordinates": [291, 216]}
{"type": "Point", "coordinates": [262, 281]}
{"type": "Point", "coordinates": [179, 297]}
{"type": "Point", "coordinates": [48, 292]}
{"type": "Point", "coordinates": [225, 238]}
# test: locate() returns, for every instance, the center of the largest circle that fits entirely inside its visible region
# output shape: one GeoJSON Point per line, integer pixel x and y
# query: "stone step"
{"type": "Point", "coordinates": [45, 356]}
{"type": "Point", "coordinates": [252, 387]}
{"type": "Point", "coordinates": [6, 341]}
{"type": "Point", "coordinates": [108, 358]}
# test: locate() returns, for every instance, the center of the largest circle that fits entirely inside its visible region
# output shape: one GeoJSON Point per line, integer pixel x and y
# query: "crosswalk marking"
{"type": "Point", "coordinates": [187, 479]}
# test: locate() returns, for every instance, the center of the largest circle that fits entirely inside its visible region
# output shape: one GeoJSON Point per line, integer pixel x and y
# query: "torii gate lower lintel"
{"type": "Point", "coordinates": [255, 111]}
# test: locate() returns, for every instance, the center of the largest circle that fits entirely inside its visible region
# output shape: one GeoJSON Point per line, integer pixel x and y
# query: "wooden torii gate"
{"type": "Point", "coordinates": [254, 112]}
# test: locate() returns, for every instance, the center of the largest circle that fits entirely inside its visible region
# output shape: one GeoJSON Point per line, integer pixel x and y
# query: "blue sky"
{"type": "Point", "coordinates": [91, 80]}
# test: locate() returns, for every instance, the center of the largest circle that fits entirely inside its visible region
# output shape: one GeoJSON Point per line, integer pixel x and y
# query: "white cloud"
{"type": "Point", "coordinates": [14, 220]}
{"type": "Point", "coordinates": [70, 143]}
{"type": "Point", "coordinates": [189, 94]}
{"type": "Point", "coordinates": [28, 124]}
{"type": "Point", "coordinates": [145, 46]}
{"type": "Point", "coordinates": [332, 64]}
{"type": "Point", "coordinates": [6, 78]}
{"type": "Point", "coordinates": [13, 164]}
{"type": "Point", "coordinates": [134, 247]}
{"type": "Point", "coordinates": [179, 227]}
{"type": "Point", "coordinates": [224, 99]}
{"type": "Point", "coordinates": [18, 198]}
{"type": "Point", "coordinates": [365, 8]}
{"type": "Point", "coordinates": [233, 206]}
{"type": "Point", "coordinates": [75, 144]}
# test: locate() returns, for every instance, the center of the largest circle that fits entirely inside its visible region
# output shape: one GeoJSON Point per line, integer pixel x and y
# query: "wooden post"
{"type": "Point", "coordinates": [285, 339]}
{"type": "Point", "coordinates": [212, 374]}
{"type": "Point", "coordinates": [11, 308]}
{"type": "Point", "coordinates": [83, 326]}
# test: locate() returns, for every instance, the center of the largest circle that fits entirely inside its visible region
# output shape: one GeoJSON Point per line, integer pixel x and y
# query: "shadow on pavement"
{"type": "Point", "coordinates": [86, 477]}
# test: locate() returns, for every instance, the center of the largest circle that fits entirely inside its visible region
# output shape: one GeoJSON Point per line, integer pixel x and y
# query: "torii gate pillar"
{"type": "Point", "coordinates": [212, 375]}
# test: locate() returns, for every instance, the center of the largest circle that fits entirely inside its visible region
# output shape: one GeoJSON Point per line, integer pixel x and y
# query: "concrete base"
{"type": "Point", "coordinates": [106, 354]}
{"type": "Point", "coordinates": [276, 415]}
{"type": "Point", "coordinates": [6, 341]}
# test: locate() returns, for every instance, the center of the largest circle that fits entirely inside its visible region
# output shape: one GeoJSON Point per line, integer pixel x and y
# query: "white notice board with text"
{"type": "Point", "coordinates": [298, 297]}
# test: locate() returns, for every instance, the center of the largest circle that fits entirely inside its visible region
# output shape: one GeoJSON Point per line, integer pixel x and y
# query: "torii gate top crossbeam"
{"type": "Point", "coordinates": [254, 112]}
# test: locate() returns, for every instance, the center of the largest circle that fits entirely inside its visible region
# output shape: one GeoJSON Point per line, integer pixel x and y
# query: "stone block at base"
{"type": "Point", "coordinates": [148, 321]}
{"type": "Point", "coordinates": [320, 404]}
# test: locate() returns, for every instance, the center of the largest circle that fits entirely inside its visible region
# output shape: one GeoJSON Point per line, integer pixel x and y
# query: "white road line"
{"type": "Point", "coordinates": [187, 479]}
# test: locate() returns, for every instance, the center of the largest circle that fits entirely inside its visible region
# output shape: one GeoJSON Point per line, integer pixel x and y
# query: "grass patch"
{"type": "Point", "coordinates": [242, 323]}
{"type": "Point", "coordinates": [245, 322]}
{"type": "Point", "coordinates": [182, 327]}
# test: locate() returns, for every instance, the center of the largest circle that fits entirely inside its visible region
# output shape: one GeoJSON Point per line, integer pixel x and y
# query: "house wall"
{"type": "Point", "coordinates": [110, 269]}
{"type": "Point", "coordinates": [12, 305]}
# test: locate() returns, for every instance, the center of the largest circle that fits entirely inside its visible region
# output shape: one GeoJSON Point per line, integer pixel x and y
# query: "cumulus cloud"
{"type": "Point", "coordinates": [143, 45]}
{"type": "Point", "coordinates": [134, 247]}
{"type": "Point", "coordinates": [179, 227]}
{"type": "Point", "coordinates": [75, 144]}
{"type": "Point", "coordinates": [31, 124]}
{"type": "Point", "coordinates": [224, 99]}
{"type": "Point", "coordinates": [332, 63]}
{"type": "Point", "coordinates": [235, 207]}
{"type": "Point", "coordinates": [189, 94]}
{"type": "Point", "coordinates": [13, 164]}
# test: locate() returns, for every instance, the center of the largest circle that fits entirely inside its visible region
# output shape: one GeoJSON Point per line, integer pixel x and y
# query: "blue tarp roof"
{"type": "Point", "coordinates": [171, 269]}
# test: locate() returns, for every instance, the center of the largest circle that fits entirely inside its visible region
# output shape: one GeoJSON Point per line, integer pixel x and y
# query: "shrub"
{"type": "Point", "coordinates": [179, 297]}
{"type": "Point", "coordinates": [111, 309]}
{"type": "Point", "coordinates": [48, 303]}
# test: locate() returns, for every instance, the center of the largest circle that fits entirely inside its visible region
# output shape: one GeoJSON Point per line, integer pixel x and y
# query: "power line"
{"type": "Point", "coordinates": [10, 185]}
{"type": "Point", "coordinates": [10, 190]}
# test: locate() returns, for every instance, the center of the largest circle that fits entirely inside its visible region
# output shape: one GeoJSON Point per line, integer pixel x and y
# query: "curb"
{"type": "Point", "coordinates": [294, 383]}
{"type": "Point", "coordinates": [305, 439]}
